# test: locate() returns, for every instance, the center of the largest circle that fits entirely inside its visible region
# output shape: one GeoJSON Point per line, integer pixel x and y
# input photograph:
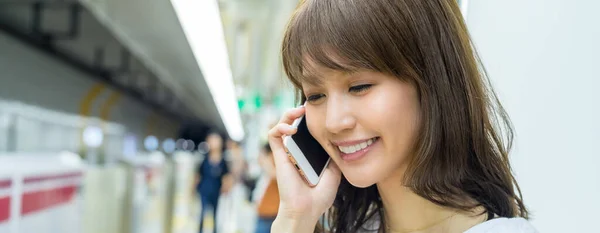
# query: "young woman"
{"type": "Point", "coordinates": [210, 175]}
{"type": "Point", "coordinates": [396, 95]}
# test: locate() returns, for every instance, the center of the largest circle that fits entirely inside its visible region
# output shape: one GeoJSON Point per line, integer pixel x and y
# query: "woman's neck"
{"type": "Point", "coordinates": [406, 211]}
{"type": "Point", "coordinates": [214, 156]}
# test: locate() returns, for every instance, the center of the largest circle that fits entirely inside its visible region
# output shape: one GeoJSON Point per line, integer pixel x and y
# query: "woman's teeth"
{"type": "Point", "coordinates": [356, 147]}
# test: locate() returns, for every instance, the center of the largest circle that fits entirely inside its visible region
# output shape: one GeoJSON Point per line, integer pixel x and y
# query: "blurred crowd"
{"type": "Point", "coordinates": [231, 198]}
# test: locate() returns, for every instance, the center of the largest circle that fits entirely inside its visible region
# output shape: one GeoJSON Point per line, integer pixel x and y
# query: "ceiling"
{"type": "Point", "coordinates": [254, 30]}
{"type": "Point", "coordinates": [140, 47]}
{"type": "Point", "coordinates": [141, 52]}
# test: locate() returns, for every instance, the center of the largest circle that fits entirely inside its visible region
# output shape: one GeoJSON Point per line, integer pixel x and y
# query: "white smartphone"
{"type": "Point", "coordinates": [306, 153]}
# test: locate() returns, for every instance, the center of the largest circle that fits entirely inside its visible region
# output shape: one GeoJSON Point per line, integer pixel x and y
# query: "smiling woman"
{"type": "Point", "coordinates": [395, 94]}
{"type": "Point", "coordinates": [347, 110]}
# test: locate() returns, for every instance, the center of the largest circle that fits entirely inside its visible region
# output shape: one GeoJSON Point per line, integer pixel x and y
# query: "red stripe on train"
{"type": "Point", "coordinates": [5, 201]}
{"type": "Point", "coordinates": [32, 202]}
{"type": "Point", "coordinates": [4, 209]}
{"type": "Point", "coordinates": [35, 179]}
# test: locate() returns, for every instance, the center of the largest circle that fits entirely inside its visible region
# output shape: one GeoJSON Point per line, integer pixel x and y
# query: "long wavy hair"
{"type": "Point", "coordinates": [460, 158]}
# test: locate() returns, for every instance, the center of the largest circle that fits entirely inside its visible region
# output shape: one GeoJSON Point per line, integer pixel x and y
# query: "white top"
{"type": "Point", "coordinates": [497, 225]}
{"type": "Point", "coordinates": [504, 225]}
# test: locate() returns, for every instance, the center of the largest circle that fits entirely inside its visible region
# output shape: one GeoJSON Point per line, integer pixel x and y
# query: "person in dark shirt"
{"type": "Point", "coordinates": [211, 175]}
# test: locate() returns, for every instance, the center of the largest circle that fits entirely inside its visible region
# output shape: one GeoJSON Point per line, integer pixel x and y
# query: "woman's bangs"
{"type": "Point", "coordinates": [315, 40]}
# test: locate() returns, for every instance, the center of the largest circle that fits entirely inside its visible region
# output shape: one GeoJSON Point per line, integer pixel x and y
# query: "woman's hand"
{"type": "Point", "coordinates": [300, 205]}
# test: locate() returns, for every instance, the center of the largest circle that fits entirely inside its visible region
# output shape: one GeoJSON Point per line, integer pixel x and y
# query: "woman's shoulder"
{"type": "Point", "coordinates": [504, 225]}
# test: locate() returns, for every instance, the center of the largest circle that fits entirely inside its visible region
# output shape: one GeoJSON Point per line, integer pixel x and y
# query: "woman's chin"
{"type": "Point", "coordinates": [365, 174]}
{"type": "Point", "coordinates": [360, 180]}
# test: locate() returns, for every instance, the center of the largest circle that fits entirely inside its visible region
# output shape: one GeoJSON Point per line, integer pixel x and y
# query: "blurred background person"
{"type": "Point", "coordinates": [234, 154]}
{"type": "Point", "coordinates": [211, 175]}
{"type": "Point", "coordinates": [233, 204]}
{"type": "Point", "coordinates": [268, 203]}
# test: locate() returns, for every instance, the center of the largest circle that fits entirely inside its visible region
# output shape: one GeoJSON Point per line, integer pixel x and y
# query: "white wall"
{"type": "Point", "coordinates": [543, 57]}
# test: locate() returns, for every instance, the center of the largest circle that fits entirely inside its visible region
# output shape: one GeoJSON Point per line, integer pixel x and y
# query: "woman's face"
{"type": "Point", "coordinates": [215, 142]}
{"type": "Point", "coordinates": [366, 121]}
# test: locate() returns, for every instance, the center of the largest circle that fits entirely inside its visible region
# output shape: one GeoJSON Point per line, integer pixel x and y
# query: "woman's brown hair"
{"type": "Point", "coordinates": [460, 157]}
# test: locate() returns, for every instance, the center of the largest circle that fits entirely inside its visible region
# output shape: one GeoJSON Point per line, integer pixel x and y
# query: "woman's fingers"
{"type": "Point", "coordinates": [292, 115]}
{"type": "Point", "coordinates": [283, 166]}
{"type": "Point", "coordinates": [282, 129]}
{"type": "Point", "coordinates": [276, 142]}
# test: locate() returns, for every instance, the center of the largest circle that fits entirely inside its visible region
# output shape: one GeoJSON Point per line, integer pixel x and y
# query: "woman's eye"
{"type": "Point", "coordinates": [360, 88]}
{"type": "Point", "coordinates": [313, 98]}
